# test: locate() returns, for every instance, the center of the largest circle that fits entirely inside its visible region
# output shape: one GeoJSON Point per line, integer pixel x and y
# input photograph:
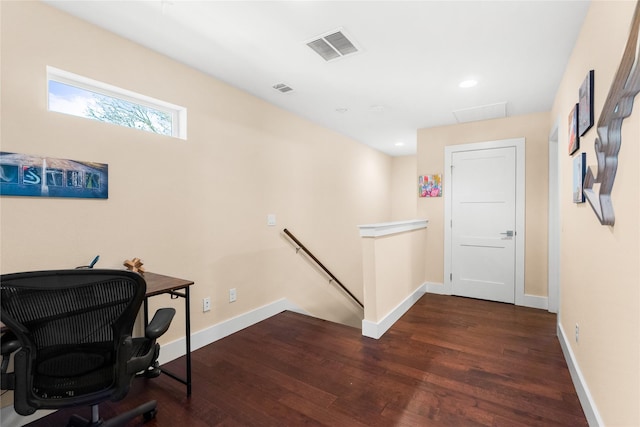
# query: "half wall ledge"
{"type": "Point", "coordinates": [386, 228]}
{"type": "Point", "coordinates": [393, 271]}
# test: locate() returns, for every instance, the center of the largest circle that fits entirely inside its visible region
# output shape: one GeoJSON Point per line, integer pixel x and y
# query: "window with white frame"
{"type": "Point", "coordinates": [80, 96]}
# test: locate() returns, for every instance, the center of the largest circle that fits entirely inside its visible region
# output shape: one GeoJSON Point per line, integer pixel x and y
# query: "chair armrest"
{"type": "Point", "coordinates": [160, 323]}
{"type": "Point", "coordinates": [10, 344]}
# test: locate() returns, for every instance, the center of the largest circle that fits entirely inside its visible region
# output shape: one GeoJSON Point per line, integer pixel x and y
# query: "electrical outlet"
{"type": "Point", "coordinates": [232, 295]}
{"type": "Point", "coordinates": [577, 332]}
{"type": "Point", "coordinates": [206, 304]}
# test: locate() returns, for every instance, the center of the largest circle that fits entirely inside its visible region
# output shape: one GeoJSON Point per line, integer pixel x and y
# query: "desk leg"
{"type": "Point", "coordinates": [146, 313]}
{"type": "Point", "coordinates": [188, 338]}
{"type": "Point", "coordinates": [187, 318]}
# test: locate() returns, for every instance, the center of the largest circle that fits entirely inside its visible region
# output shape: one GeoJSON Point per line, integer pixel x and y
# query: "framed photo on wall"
{"type": "Point", "coordinates": [585, 112]}
{"type": "Point", "coordinates": [579, 171]}
{"type": "Point", "coordinates": [430, 185]}
{"type": "Point", "coordinates": [574, 138]}
{"type": "Point", "coordinates": [40, 176]}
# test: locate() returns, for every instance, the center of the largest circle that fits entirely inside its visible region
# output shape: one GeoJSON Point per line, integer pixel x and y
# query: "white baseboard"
{"type": "Point", "coordinates": [437, 288]}
{"type": "Point", "coordinates": [535, 301]}
{"type": "Point", "coordinates": [376, 330]}
{"type": "Point", "coordinates": [175, 349]}
{"type": "Point", "coordinates": [588, 405]}
{"type": "Point", "coordinates": [532, 301]}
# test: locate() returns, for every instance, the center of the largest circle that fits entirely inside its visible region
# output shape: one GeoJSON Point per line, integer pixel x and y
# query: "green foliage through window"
{"type": "Point", "coordinates": [124, 113]}
{"type": "Point", "coordinates": [106, 106]}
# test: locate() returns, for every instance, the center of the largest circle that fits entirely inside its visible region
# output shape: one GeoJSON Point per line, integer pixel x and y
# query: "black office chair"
{"type": "Point", "coordinates": [70, 332]}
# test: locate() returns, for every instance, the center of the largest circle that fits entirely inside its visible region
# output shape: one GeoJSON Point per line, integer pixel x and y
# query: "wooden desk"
{"type": "Point", "coordinates": [158, 284]}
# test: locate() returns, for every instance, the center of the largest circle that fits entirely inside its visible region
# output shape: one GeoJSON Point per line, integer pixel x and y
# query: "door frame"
{"type": "Point", "coordinates": [519, 144]}
{"type": "Point", "coordinates": [554, 222]}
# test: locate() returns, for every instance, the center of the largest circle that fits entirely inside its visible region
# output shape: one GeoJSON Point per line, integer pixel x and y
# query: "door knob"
{"type": "Point", "coordinates": [508, 233]}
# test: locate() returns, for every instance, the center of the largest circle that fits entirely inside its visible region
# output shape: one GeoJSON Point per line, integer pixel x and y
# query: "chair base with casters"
{"type": "Point", "coordinates": [147, 410]}
{"type": "Point", "coordinates": [70, 336]}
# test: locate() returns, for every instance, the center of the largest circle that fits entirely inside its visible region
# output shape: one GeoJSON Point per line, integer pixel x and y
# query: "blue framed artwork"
{"type": "Point", "coordinates": [585, 109]}
{"type": "Point", "coordinates": [579, 171]}
{"type": "Point", "coordinates": [36, 176]}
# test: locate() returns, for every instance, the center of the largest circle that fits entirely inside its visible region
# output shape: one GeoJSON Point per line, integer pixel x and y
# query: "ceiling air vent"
{"type": "Point", "coordinates": [282, 88]}
{"type": "Point", "coordinates": [483, 112]}
{"type": "Point", "coordinates": [333, 45]}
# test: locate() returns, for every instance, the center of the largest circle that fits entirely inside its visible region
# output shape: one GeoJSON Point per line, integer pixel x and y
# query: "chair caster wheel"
{"type": "Point", "coordinates": [153, 371]}
{"type": "Point", "coordinates": [148, 416]}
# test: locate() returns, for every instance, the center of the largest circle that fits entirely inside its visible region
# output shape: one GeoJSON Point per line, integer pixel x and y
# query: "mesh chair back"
{"type": "Point", "coordinates": [70, 324]}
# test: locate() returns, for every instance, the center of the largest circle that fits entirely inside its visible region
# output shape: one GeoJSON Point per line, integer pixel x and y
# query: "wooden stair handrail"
{"type": "Point", "coordinates": [325, 269]}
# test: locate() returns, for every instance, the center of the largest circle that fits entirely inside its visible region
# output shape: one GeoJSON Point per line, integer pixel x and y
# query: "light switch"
{"type": "Point", "coordinates": [271, 219]}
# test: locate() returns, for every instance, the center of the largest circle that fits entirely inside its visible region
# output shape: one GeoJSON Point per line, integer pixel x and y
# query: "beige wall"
{"type": "Point", "coordinates": [393, 270]}
{"type": "Point", "coordinates": [196, 208]}
{"type": "Point", "coordinates": [430, 160]}
{"type": "Point", "coordinates": [600, 265]}
{"type": "Point", "coordinates": [404, 188]}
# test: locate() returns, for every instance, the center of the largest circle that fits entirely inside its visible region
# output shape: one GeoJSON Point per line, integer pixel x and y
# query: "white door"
{"type": "Point", "coordinates": [483, 223]}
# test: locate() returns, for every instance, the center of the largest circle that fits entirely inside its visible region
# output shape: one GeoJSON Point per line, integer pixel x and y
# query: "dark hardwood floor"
{"type": "Point", "coordinates": [449, 361]}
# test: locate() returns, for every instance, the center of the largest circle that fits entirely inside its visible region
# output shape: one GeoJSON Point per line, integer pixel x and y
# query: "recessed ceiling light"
{"type": "Point", "coordinates": [399, 144]}
{"type": "Point", "coordinates": [468, 83]}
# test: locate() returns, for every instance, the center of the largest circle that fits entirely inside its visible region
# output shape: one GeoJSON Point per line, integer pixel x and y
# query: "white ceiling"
{"type": "Point", "coordinates": [413, 55]}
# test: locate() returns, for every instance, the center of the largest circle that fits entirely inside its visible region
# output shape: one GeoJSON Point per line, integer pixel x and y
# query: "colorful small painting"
{"type": "Point", "coordinates": [574, 138]}
{"type": "Point", "coordinates": [36, 176]}
{"type": "Point", "coordinates": [430, 185]}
